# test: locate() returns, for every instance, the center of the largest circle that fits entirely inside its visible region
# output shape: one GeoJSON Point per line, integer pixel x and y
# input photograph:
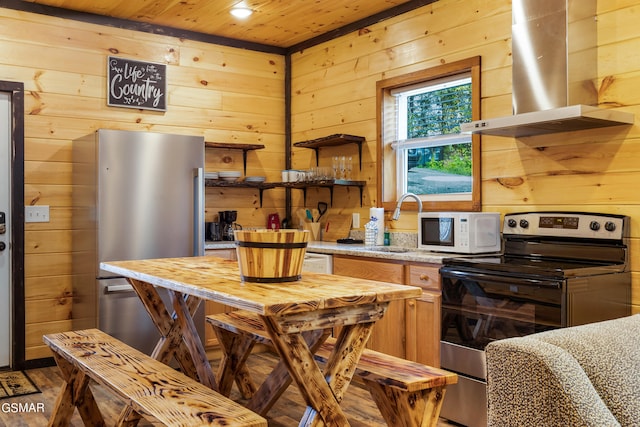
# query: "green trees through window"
{"type": "Point", "coordinates": [421, 148]}
{"type": "Point", "coordinates": [439, 110]}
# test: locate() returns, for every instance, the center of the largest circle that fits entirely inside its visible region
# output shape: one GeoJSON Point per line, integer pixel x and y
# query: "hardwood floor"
{"type": "Point", "coordinates": [357, 404]}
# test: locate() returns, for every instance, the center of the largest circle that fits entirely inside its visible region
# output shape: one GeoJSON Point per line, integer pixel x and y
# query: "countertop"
{"type": "Point", "coordinates": [382, 252]}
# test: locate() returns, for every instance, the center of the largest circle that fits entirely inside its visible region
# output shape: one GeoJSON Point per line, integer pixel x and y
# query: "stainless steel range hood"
{"type": "Point", "coordinates": [554, 71]}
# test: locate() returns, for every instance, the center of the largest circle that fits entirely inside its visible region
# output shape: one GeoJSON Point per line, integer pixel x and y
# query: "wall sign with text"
{"type": "Point", "coordinates": [136, 84]}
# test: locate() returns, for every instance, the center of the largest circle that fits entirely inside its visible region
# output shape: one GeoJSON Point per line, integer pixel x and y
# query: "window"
{"type": "Point", "coordinates": [421, 149]}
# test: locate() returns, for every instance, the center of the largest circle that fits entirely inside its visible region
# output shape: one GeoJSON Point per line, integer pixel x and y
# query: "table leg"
{"type": "Point", "coordinates": [176, 334]}
{"type": "Point", "coordinates": [192, 340]}
{"type": "Point", "coordinates": [321, 392]}
{"type": "Point", "coordinates": [341, 365]}
{"type": "Point", "coordinates": [279, 379]}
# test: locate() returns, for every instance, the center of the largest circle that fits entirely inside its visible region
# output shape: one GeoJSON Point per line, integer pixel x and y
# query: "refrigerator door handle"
{"type": "Point", "coordinates": [198, 212]}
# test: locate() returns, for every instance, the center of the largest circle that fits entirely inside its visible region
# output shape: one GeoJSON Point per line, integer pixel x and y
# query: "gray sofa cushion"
{"type": "Point", "coordinates": [587, 375]}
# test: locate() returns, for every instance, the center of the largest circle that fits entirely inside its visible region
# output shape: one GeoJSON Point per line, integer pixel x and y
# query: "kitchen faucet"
{"type": "Point", "coordinates": [396, 213]}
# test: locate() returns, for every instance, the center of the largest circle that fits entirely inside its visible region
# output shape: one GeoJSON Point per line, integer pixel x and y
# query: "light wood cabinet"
{"type": "Point", "coordinates": [210, 307]}
{"type": "Point", "coordinates": [387, 336]}
{"type": "Point", "coordinates": [423, 326]}
{"type": "Point", "coordinates": [423, 317]}
{"type": "Point", "coordinates": [369, 268]}
{"type": "Point", "coordinates": [410, 329]}
{"type": "Point", "coordinates": [226, 253]}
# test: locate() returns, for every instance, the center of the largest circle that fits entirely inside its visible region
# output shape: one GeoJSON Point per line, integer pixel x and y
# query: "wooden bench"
{"type": "Point", "coordinates": [406, 393]}
{"type": "Point", "coordinates": [148, 387]}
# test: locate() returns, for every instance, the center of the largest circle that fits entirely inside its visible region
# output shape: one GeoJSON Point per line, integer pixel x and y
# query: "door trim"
{"type": "Point", "coordinates": [16, 92]}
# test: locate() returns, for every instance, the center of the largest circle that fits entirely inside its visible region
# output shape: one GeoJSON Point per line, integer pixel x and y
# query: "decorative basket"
{"type": "Point", "coordinates": [269, 256]}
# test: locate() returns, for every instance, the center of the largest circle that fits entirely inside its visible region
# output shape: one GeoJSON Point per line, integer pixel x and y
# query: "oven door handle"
{"type": "Point", "coordinates": [454, 272]}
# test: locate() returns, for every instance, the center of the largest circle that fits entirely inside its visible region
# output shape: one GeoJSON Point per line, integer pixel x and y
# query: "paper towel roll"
{"type": "Point", "coordinates": [378, 213]}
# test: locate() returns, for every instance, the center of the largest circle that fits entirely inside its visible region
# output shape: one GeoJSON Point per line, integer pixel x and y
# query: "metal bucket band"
{"type": "Point", "coordinates": [271, 279]}
{"type": "Point", "coordinates": [270, 245]}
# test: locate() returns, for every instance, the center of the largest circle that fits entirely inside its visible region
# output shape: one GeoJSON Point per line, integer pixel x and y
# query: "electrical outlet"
{"type": "Point", "coordinates": [36, 214]}
{"type": "Point", "coordinates": [355, 220]}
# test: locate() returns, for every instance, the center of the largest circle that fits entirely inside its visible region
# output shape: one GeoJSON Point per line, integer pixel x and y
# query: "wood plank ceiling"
{"type": "Point", "coordinates": [280, 23]}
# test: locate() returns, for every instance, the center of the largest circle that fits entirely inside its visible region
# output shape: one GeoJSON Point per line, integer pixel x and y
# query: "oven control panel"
{"type": "Point", "coordinates": [567, 224]}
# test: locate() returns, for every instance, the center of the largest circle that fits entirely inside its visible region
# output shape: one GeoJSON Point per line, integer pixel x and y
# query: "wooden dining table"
{"type": "Point", "coordinates": [289, 311]}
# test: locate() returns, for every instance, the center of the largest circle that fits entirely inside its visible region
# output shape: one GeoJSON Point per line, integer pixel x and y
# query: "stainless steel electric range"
{"type": "Point", "coordinates": [557, 269]}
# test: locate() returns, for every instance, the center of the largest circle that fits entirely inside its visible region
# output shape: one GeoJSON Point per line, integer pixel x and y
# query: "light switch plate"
{"type": "Point", "coordinates": [36, 213]}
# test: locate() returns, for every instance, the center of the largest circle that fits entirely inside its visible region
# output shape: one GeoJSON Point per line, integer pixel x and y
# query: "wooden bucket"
{"type": "Point", "coordinates": [269, 256]}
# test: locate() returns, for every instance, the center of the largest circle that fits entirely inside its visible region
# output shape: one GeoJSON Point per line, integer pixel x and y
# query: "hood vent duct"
{"type": "Point", "coordinates": [554, 69]}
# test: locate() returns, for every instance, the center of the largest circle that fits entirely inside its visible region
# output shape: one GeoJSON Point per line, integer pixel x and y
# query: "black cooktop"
{"type": "Point", "coordinates": [532, 266]}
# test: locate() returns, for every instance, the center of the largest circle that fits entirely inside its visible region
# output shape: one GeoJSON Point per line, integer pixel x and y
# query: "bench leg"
{"type": "Point", "coordinates": [407, 409]}
{"type": "Point", "coordinates": [128, 418]}
{"type": "Point", "coordinates": [236, 348]}
{"type": "Point", "coordinates": [75, 393]}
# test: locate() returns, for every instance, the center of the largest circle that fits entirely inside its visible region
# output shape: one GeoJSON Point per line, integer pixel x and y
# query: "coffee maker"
{"type": "Point", "coordinates": [227, 224]}
{"type": "Point", "coordinates": [212, 231]}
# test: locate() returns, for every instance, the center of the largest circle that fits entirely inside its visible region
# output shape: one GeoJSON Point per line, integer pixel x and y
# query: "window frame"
{"type": "Point", "coordinates": [386, 192]}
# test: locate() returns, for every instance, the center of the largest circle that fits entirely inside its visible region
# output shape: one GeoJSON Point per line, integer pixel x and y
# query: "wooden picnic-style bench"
{"type": "Point", "coordinates": [148, 387]}
{"type": "Point", "coordinates": [406, 393]}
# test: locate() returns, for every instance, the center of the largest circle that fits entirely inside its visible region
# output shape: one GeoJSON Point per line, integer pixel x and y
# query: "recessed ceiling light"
{"type": "Point", "coordinates": [241, 10]}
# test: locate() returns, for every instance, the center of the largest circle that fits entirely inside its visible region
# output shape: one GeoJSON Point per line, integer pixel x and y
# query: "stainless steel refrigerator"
{"type": "Point", "coordinates": [138, 195]}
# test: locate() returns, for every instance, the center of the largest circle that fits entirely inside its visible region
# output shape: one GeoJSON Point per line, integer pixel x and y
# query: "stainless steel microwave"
{"type": "Point", "coordinates": [459, 232]}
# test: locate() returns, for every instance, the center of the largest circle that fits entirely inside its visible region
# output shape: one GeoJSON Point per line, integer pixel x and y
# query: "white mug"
{"type": "Point", "coordinates": [285, 176]}
{"type": "Point", "coordinates": [294, 175]}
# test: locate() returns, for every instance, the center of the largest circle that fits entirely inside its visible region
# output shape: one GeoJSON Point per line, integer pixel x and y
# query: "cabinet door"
{"type": "Point", "coordinates": [423, 318]}
{"type": "Point", "coordinates": [423, 328]}
{"type": "Point", "coordinates": [388, 335]}
{"type": "Point", "coordinates": [210, 307]}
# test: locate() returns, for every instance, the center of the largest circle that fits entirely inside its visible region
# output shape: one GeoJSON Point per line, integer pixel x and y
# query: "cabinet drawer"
{"type": "Point", "coordinates": [372, 269]}
{"type": "Point", "coordinates": [424, 275]}
{"type": "Point", "coordinates": [222, 253]}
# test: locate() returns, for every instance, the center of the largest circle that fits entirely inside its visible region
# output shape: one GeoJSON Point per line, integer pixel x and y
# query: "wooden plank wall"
{"type": "Point", "coordinates": [333, 88]}
{"type": "Point", "coordinates": [234, 95]}
{"type": "Point", "coordinates": [225, 94]}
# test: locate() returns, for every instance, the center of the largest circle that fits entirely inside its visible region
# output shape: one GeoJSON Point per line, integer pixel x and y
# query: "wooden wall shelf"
{"type": "Point", "coordinates": [333, 140]}
{"type": "Point", "coordinates": [330, 184]}
{"type": "Point", "coordinates": [261, 186]}
{"type": "Point", "coordinates": [234, 146]}
{"type": "Point", "coordinates": [315, 144]}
